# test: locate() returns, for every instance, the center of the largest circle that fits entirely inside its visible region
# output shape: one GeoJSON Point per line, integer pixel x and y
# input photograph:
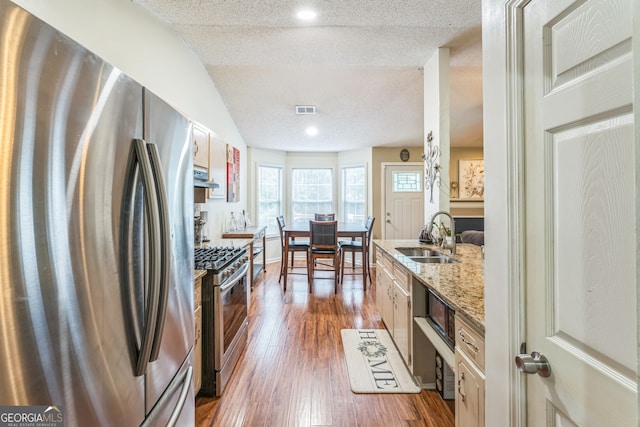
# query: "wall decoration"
{"type": "Point", "coordinates": [471, 179]}
{"type": "Point", "coordinates": [432, 172]}
{"type": "Point", "coordinates": [233, 174]}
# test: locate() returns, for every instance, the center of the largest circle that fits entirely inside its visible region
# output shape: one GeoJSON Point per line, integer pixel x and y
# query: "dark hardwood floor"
{"type": "Point", "coordinates": [293, 371]}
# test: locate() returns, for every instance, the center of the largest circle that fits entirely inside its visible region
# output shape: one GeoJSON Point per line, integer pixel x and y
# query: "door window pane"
{"type": "Point", "coordinates": [407, 181]}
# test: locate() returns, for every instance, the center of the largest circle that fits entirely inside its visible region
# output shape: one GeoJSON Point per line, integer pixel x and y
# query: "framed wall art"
{"type": "Point", "coordinates": [471, 179]}
{"type": "Point", "coordinates": [233, 174]}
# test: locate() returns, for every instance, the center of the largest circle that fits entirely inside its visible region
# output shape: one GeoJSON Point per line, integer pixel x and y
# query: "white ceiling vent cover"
{"type": "Point", "coordinates": [305, 109]}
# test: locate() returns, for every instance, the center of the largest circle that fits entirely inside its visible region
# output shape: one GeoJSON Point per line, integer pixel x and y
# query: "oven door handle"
{"type": "Point", "coordinates": [239, 277]}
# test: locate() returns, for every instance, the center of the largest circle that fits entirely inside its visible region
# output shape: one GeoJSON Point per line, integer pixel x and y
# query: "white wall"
{"type": "Point", "coordinates": [636, 101]}
{"type": "Point", "coordinates": [131, 39]}
{"type": "Point", "coordinates": [362, 157]}
{"type": "Point", "coordinates": [436, 120]}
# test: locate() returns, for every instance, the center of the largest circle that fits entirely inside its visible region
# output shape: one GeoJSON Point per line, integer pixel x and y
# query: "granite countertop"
{"type": "Point", "coordinates": [460, 284]}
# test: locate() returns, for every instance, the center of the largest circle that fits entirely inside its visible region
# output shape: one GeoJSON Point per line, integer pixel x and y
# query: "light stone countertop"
{"type": "Point", "coordinates": [460, 284]}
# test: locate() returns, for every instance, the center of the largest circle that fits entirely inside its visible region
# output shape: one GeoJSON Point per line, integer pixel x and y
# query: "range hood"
{"type": "Point", "coordinates": [201, 180]}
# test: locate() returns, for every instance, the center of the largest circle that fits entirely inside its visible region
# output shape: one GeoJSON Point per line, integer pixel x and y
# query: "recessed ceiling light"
{"type": "Point", "coordinates": [306, 15]}
{"type": "Point", "coordinates": [312, 131]}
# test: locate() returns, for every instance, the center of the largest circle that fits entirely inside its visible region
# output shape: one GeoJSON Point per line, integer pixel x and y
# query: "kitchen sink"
{"type": "Point", "coordinates": [419, 252]}
{"type": "Point", "coordinates": [442, 259]}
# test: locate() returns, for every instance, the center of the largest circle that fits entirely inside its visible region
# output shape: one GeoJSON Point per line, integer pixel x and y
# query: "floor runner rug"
{"type": "Point", "coordinates": [374, 364]}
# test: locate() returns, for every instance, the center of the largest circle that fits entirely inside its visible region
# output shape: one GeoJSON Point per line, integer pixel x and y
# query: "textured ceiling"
{"type": "Point", "coordinates": [360, 63]}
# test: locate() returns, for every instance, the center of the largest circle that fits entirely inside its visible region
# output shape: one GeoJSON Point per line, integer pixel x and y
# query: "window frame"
{"type": "Point", "coordinates": [272, 226]}
{"type": "Point", "coordinates": [343, 192]}
{"type": "Point", "coordinates": [292, 186]}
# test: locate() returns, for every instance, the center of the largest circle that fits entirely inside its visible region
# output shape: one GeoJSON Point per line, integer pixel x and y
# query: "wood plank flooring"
{"type": "Point", "coordinates": [293, 371]}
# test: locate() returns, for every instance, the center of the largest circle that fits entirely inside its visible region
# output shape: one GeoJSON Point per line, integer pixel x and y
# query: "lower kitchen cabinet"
{"type": "Point", "coordinates": [469, 376]}
{"type": "Point", "coordinates": [402, 321]}
{"type": "Point", "coordinates": [470, 393]}
{"type": "Point", "coordinates": [394, 302]}
{"type": "Point", "coordinates": [384, 282]}
{"type": "Point", "coordinates": [403, 300]}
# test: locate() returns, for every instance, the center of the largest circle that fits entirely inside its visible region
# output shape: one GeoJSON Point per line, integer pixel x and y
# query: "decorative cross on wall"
{"type": "Point", "coordinates": [432, 173]}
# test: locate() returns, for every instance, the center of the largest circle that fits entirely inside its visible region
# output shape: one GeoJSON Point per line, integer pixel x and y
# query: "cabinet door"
{"type": "Point", "coordinates": [201, 147]}
{"type": "Point", "coordinates": [380, 292]}
{"type": "Point", "coordinates": [469, 393]}
{"type": "Point", "coordinates": [387, 298]}
{"type": "Point", "coordinates": [402, 321]}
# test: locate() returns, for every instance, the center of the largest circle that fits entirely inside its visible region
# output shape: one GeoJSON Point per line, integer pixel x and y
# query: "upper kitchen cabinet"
{"type": "Point", "coordinates": [201, 147]}
{"type": "Point", "coordinates": [217, 166]}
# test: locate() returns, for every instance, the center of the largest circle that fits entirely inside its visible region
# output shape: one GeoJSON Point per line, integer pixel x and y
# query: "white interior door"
{"type": "Point", "coordinates": [580, 207]}
{"type": "Point", "coordinates": [404, 201]}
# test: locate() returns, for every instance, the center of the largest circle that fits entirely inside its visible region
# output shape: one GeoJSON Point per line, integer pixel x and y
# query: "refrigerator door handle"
{"type": "Point", "coordinates": [153, 248]}
{"type": "Point", "coordinates": [186, 381]}
{"type": "Point", "coordinates": [165, 248]}
{"type": "Point", "coordinates": [182, 399]}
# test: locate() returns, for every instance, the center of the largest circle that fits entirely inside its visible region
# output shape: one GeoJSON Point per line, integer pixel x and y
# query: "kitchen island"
{"type": "Point", "coordinates": [461, 284]}
{"type": "Point", "coordinates": [442, 347]}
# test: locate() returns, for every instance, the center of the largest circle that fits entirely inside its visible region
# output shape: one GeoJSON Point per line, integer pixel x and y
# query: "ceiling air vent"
{"type": "Point", "coordinates": [305, 109]}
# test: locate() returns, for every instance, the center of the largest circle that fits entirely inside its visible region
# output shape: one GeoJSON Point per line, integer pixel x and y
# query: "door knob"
{"type": "Point", "coordinates": [535, 363]}
{"type": "Point", "coordinates": [388, 221]}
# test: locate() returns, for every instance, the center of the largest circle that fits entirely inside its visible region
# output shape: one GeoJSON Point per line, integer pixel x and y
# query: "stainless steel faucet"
{"type": "Point", "coordinates": [445, 245]}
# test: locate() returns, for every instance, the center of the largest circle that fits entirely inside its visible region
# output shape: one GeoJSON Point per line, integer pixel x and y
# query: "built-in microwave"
{"type": "Point", "coordinates": [441, 316]}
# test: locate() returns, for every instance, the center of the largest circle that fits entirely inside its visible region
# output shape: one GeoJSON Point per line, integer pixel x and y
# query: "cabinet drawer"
{"type": "Point", "coordinates": [384, 260]}
{"type": "Point", "coordinates": [470, 342]}
{"type": "Point", "coordinates": [401, 276]}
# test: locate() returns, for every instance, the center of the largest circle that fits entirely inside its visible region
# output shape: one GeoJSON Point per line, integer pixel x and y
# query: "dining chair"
{"type": "Point", "coordinates": [355, 247]}
{"type": "Point", "coordinates": [294, 246]}
{"type": "Point", "coordinates": [325, 217]}
{"type": "Point", "coordinates": [323, 244]}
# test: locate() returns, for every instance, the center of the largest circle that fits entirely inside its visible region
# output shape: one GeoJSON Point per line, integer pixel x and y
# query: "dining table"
{"type": "Point", "coordinates": [345, 230]}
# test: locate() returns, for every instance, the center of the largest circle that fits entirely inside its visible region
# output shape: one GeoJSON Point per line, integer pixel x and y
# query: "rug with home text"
{"type": "Point", "coordinates": [374, 364]}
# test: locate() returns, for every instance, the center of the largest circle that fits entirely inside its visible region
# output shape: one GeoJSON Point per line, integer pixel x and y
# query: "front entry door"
{"type": "Point", "coordinates": [404, 201]}
{"type": "Point", "coordinates": [580, 192]}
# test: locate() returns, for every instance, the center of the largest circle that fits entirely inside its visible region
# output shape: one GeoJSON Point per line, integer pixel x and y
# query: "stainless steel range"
{"type": "Point", "coordinates": [225, 313]}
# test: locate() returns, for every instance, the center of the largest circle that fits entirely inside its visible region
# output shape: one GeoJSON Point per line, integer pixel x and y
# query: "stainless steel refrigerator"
{"type": "Point", "coordinates": [96, 227]}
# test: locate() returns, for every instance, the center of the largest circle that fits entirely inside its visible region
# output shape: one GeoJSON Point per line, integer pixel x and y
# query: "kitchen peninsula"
{"type": "Point", "coordinates": [405, 290]}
